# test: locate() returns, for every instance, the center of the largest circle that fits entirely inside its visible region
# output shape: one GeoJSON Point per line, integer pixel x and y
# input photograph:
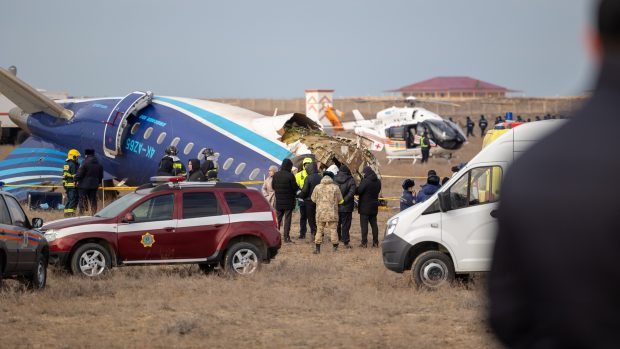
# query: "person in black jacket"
{"type": "Point", "coordinates": [170, 164]}
{"type": "Point", "coordinates": [88, 179]}
{"type": "Point", "coordinates": [347, 186]}
{"type": "Point", "coordinates": [469, 123]}
{"type": "Point", "coordinates": [555, 281]}
{"type": "Point", "coordinates": [368, 205]}
{"type": "Point", "coordinates": [194, 173]}
{"type": "Point", "coordinates": [285, 188]}
{"type": "Point", "coordinates": [482, 123]}
{"type": "Point", "coordinates": [311, 181]}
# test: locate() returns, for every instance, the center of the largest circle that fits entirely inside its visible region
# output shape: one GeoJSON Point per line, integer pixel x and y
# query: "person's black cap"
{"type": "Point", "coordinates": [408, 183]}
{"type": "Point", "coordinates": [89, 152]}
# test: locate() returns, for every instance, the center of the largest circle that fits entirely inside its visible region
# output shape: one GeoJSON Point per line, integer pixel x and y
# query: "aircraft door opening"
{"type": "Point", "coordinates": [117, 120]}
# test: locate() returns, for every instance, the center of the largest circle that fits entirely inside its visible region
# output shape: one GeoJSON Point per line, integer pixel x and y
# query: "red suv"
{"type": "Point", "coordinates": [210, 224]}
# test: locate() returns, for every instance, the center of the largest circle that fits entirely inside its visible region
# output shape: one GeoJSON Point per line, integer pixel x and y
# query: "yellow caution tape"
{"type": "Point", "coordinates": [402, 177]}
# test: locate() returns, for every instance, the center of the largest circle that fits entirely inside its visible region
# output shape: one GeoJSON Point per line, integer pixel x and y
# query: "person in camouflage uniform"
{"type": "Point", "coordinates": [326, 196]}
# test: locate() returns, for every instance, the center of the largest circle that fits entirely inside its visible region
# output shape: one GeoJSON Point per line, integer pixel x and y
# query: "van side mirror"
{"type": "Point", "coordinates": [444, 201]}
{"type": "Point", "coordinates": [128, 218]}
{"type": "Point", "coordinates": [37, 223]}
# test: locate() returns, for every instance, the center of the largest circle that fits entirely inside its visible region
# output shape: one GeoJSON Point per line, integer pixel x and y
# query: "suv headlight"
{"type": "Point", "coordinates": [391, 226]}
{"type": "Point", "coordinates": [50, 235]}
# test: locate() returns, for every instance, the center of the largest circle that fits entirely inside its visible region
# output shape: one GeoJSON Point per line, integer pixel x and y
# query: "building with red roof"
{"type": "Point", "coordinates": [453, 87]}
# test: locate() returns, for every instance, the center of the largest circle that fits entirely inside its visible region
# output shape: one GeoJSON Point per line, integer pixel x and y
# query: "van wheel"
{"type": "Point", "coordinates": [38, 278]}
{"type": "Point", "coordinates": [91, 260]}
{"type": "Point", "coordinates": [242, 258]}
{"type": "Point", "coordinates": [432, 269]}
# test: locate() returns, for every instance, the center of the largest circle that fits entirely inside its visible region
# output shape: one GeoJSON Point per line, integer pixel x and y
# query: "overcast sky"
{"type": "Point", "coordinates": [276, 49]}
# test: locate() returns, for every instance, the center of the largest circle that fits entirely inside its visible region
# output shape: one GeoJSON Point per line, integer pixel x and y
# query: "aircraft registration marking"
{"type": "Point", "coordinates": [139, 148]}
{"type": "Point", "coordinates": [147, 118]}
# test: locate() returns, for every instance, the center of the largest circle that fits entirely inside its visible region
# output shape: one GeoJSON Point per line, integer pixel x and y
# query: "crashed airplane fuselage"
{"type": "Point", "coordinates": [130, 134]}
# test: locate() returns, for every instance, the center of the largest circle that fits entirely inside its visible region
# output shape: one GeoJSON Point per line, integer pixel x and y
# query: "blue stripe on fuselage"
{"type": "Point", "coordinates": [260, 142]}
{"type": "Point", "coordinates": [29, 169]}
{"type": "Point", "coordinates": [12, 162]}
{"type": "Point", "coordinates": [37, 151]}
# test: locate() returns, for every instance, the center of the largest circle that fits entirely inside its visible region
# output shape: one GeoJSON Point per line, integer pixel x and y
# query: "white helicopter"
{"type": "Point", "coordinates": [398, 130]}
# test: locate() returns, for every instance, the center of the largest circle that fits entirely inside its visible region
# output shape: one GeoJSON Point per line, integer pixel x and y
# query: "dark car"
{"type": "Point", "coordinates": [211, 224]}
{"type": "Point", "coordinates": [24, 251]}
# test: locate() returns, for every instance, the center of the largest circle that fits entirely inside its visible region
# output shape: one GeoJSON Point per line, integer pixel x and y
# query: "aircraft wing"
{"type": "Point", "coordinates": [29, 99]}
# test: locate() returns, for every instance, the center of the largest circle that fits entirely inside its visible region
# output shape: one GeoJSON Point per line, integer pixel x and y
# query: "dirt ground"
{"type": "Point", "coordinates": [345, 299]}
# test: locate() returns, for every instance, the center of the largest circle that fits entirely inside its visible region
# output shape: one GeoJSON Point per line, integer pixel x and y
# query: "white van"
{"type": "Point", "coordinates": [453, 232]}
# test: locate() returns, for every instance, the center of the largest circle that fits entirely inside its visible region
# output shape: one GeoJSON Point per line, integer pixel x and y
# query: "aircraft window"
{"type": "Point", "coordinates": [254, 174]}
{"type": "Point", "coordinates": [134, 128]}
{"type": "Point", "coordinates": [240, 168]}
{"type": "Point", "coordinates": [200, 154]}
{"type": "Point", "coordinates": [175, 141]}
{"type": "Point", "coordinates": [148, 132]}
{"type": "Point", "coordinates": [161, 138]}
{"type": "Point", "coordinates": [228, 163]}
{"type": "Point", "coordinates": [188, 148]}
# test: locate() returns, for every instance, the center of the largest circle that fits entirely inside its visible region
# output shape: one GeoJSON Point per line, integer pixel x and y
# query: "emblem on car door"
{"type": "Point", "coordinates": [148, 240]}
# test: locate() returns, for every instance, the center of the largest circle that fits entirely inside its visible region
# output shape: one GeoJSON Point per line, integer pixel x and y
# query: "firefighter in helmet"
{"type": "Point", "coordinates": [209, 167]}
{"type": "Point", "coordinates": [68, 181]}
{"type": "Point", "coordinates": [170, 164]}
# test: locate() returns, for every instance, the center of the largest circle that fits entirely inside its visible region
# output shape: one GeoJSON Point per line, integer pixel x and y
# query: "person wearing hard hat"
{"type": "Point", "coordinates": [68, 181]}
{"type": "Point", "coordinates": [170, 164]}
{"type": "Point", "coordinates": [300, 178]}
{"type": "Point", "coordinates": [209, 166]}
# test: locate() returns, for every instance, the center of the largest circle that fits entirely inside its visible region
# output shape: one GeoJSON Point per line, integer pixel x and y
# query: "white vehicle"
{"type": "Point", "coordinates": [453, 232]}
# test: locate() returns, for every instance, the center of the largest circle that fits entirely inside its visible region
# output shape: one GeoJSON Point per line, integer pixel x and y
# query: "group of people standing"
{"type": "Point", "coordinates": [432, 185]}
{"type": "Point", "coordinates": [81, 182]}
{"type": "Point", "coordinates": [326, 201]}
{"type": "Point", "coordinates": [482, 123]}
{"type": "Point", "coordinates": [171, 165]}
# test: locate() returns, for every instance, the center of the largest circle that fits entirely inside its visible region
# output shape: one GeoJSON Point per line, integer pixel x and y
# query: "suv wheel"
{"type": "Point", "coordinates": [242, 258]}
{"type": "Point", "coordinates": [90, 260]}
{"type": "Point", "coordinates": [38, 278]}
{"type": "Point", "coordinates": [1, 268]}
{"type": "Point", "coordinates": [432, 269]}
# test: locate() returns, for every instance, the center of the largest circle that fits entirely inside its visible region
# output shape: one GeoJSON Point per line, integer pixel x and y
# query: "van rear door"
{"type": "Point", "coordinates": [469, 226]}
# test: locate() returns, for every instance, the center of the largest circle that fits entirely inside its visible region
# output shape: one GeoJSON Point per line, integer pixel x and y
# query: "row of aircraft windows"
{"type": "Point", "coordinates": [188, 148]}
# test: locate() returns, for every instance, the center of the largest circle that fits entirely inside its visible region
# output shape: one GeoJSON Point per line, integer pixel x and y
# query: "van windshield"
{"type": "Point", "coordinates": [116, 207]}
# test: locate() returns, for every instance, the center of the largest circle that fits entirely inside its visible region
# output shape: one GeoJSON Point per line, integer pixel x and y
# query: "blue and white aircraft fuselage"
{"type": "Point", "coordinates": [129, 145]}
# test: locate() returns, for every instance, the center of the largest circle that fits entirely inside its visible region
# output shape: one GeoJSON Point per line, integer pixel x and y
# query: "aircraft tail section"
{"type": "Point", "coordinates": [28, 99]}
{"type": "Point", "coordinates": [378, 142]}
{"type": "Point", "coordinates": [358, 115]}
{"type": "Point", "coordinates": [34, 163]}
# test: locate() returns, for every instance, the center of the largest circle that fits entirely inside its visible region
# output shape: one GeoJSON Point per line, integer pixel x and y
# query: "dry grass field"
{"type": "Point", "coordinates": [346, 299]}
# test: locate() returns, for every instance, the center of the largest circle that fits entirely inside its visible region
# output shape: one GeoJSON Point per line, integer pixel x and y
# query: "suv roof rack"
{"type": "Point", "coordinates": [165, 186]}
{"type": "Point", "coordinates": [211, 185]}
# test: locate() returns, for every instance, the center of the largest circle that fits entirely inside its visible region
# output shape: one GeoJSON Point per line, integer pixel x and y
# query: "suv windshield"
{"type": "Point", "coordinates": [113, 209]}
